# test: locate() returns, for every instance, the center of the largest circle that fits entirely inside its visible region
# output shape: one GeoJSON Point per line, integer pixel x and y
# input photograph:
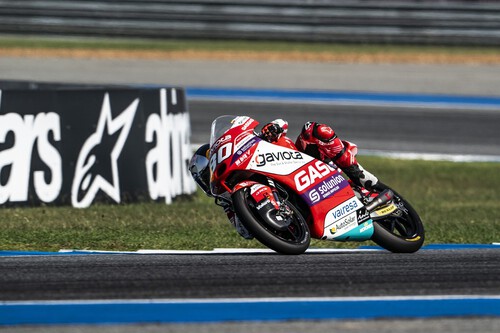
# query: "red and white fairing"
{"type": "Point", "coordinates": [334, 208]}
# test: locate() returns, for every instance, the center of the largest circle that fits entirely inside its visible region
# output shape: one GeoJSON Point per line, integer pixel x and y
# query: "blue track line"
{"type": "Point", "coordinates": [372, 98]}
{"type": "Point", "coordinates": [447, 247]}
{"type": "Point", "coordinates": [210, 311]}
{"type": "Point", "coordinates": [47, 253]}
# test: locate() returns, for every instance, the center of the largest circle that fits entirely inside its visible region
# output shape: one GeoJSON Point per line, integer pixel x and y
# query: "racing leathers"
{"type": "Point", "coordinates": [321, 142]}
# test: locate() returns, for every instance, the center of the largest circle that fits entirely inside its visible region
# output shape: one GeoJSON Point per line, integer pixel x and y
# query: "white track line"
{"type": "Point", "coordinates": [214, 251]}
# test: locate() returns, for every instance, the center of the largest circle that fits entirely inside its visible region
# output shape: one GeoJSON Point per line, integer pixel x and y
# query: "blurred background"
{"type": "Point", "coordinates": [450, 22]}
{"type": "Point", "coordinates": [414, 54]}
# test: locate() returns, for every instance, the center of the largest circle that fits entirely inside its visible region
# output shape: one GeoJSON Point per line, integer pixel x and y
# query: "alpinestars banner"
{"type": "Point", "coordinates": [81, 146]}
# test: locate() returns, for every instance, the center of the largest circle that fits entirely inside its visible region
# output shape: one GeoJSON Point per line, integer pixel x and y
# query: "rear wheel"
{"type": "Point", "coordinates": [402, 231]}
{"type": "Point", "coordinates": [294, 239]}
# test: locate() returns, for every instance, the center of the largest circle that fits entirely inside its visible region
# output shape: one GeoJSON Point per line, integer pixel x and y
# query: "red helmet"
{"type": "Point", "coordinates": [312, 132]}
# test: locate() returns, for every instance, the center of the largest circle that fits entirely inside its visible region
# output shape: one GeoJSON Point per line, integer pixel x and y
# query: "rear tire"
{"type": "Point", "coordinates": [294, 240]}
{"type": "Point", "coordinates": [400, 234]}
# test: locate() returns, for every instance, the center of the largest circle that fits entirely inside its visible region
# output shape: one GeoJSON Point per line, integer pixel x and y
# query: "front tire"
{"type": "Point", "coordinates": [294, 240]}
{"type": "Point", "coordinates": [402, 232]}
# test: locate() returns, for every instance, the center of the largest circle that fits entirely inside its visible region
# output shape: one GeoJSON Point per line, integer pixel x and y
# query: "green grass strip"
{"type": "Point", "coordinates": [458, 203]}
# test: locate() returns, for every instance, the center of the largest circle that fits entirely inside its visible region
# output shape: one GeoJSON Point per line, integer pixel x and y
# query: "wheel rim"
{"type": "Point", "coordinates": [402, 224]}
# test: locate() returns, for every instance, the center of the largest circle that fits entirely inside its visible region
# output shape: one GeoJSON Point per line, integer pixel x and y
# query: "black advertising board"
{"type": "Point", "coordinates": [79, 146]}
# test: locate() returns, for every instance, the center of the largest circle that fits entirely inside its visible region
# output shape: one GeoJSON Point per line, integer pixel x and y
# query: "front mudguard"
{"type": "Point", "coordinates": [266, 203]}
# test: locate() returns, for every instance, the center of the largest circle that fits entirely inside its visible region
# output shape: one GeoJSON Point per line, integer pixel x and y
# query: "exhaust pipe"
{"type": "Point", "coordinates": [384, 197]}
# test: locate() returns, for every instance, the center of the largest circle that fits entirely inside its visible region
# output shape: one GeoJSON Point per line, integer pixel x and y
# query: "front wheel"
{"type": "Point", "coordinates": [294, 239]}
{"type": "Point", "coordinates": [402, 231]}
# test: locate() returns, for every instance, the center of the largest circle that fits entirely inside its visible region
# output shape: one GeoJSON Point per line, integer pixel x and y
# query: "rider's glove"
{"type": "Point", "coordinates": [272, 132]}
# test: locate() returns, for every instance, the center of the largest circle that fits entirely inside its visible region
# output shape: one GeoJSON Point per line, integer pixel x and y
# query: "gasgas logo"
{"type": "Point", "coordinates": [305, 178]}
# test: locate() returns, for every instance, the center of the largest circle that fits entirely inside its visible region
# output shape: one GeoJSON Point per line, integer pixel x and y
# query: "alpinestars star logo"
{"type": "Point", "coordinates": [88, 180]}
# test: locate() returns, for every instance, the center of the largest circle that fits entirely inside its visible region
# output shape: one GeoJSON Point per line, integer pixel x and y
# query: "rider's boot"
{"type": "Point", "coordinates": [361, 177]}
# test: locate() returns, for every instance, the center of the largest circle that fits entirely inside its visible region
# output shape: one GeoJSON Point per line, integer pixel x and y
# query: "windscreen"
{"type": "Point", "coordinates": [220, 126]}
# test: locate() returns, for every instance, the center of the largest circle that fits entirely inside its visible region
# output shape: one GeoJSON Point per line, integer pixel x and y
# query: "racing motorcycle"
{"type": "Point", "coordinates": [284, 196]}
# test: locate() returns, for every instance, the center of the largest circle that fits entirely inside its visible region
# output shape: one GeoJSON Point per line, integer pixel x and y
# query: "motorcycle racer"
{"type": "Point", "coordinates": [321, 142]}
{"type": "Point", "coordinates": [317, 140]}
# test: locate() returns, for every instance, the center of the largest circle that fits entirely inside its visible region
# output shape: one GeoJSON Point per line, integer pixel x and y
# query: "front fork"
{"type": "Point", "coordinates": [268, 204]}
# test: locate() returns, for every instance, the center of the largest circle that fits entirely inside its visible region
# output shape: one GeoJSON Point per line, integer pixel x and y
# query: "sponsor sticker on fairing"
{"type": "Point", "coordinates": [247, 124]}
{"type": "Point", "coordinates": [346, 223]}
{"type": "Point", "coordinates": [277, 158]}
{"type": "Point", "coordinates": [220, 141]}
{"type": "Point", "coordinates": [345, 208]}
{"type": "Point", "coordinates": [362, 215]}
{"type": "Point", "coordinates": [325, 189]}
{"type": "Point", "coordinates": [257, 189]}
{"type": "Point", "coordinates": [366, 226]}
{"type": "Point", "coordinates": [243, 158]}
{"type": "Point", "coordinates": [262, 204]}
{"type": "Point", "coordinates": [308, 176]}
{"type": "Point", "coordinates": [243, 153]}
{"type": "Point", "coordinates": [247, 144]}
{"type": "Point", "coordinates": [341, 211]}
{"type": "Point", "coordinates": [385, 210]}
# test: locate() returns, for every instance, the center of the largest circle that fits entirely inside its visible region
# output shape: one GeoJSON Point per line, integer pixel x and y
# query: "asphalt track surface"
{"type": "Point", "coordinates": [374, 273]}
{"type": "Point", "coordinates": [458, 79]}
{"type": "Point", "coordinates": [440, 325]}
{"type": "Point", "coordinates": [427, 272]}
{"type": "Point", "coordinates": [402, 129]}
